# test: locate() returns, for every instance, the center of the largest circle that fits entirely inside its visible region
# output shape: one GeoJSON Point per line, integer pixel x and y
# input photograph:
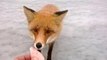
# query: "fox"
{"type": "Point", "coordinates": [45, 26]}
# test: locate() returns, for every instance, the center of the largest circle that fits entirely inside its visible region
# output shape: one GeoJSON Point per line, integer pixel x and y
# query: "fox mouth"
{"type": "Point", "coordinates": [39, 50]}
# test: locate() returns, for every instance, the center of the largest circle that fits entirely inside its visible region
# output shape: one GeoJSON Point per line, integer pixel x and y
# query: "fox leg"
{"type": "Point", "coordinates": [50, 51]}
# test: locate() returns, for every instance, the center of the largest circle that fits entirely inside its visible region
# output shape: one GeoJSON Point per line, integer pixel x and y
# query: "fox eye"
{"type": "Point", "coordinates": [35, 30]}
{"type": "Point", "coordinates": [49, 31]}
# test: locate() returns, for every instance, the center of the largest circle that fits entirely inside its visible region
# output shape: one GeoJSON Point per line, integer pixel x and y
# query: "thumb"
{"type": "Point", "coordinates": [35, 55]}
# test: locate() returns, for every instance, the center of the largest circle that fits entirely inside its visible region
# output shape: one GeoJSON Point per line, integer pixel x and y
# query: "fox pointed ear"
{"type": "Point", "coordinates": [29, 13]}
{"type": "Point", "coordinates": [61, 14]}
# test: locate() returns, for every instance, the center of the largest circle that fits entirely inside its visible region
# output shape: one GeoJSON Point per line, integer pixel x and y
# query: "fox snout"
{"type": "Point", "coordinates": [39, 41]}
{"type": "Point", "coordinates": [39, 45]}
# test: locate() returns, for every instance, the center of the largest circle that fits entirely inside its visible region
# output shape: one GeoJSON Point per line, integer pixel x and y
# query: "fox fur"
{"type": "Point", "coordinates": [45, 25]}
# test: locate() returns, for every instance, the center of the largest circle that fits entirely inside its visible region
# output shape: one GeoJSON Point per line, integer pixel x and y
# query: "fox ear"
{"type": "Point", "coordinates": [29, 13]}
{"type": "Point", "coordinates": [61, 14]}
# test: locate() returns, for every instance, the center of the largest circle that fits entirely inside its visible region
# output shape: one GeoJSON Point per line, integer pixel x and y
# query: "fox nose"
{"type": "Point", "coordinates": [38, 45]}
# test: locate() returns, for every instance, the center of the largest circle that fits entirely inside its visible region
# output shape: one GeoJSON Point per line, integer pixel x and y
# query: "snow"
{"type": "Point", "coordinates": [83, 37]}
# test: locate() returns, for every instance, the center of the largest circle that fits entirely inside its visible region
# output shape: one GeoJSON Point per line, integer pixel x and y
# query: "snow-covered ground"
{"type": "Point", "coordinates": [84, 35]}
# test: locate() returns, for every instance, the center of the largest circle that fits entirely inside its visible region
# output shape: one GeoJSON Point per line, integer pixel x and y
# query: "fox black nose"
{"type": "Point", "coordinates": [38, 45]}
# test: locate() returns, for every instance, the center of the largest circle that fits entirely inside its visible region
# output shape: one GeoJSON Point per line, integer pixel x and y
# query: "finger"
{"type": "Point", "coordinates": [33, 54]}
{"type": "Point", "coordinates": [36, 54]}
{"type": "Point", "coordinates": [20, 58]}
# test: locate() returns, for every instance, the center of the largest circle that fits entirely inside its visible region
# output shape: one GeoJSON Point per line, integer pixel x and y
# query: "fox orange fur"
{"type": "Point", "coordinates": [45, 25]}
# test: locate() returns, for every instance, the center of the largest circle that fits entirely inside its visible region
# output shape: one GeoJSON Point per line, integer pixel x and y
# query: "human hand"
{"type": "Point", "coordinates": [23, 57]}
{"type": "Point", "coordinates": [34, 55]}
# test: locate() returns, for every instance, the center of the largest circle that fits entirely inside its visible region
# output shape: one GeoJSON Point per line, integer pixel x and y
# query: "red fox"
{"type": "Point", "coordinates": [45, 26]}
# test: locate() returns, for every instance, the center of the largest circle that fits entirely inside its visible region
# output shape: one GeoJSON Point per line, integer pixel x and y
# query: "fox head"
{"type": "Point", "coordinates": [44, 27]}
